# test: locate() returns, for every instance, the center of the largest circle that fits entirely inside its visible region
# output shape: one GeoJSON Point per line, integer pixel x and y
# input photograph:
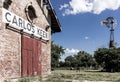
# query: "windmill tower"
{"type": "Point", "coordinates": [110, 23]}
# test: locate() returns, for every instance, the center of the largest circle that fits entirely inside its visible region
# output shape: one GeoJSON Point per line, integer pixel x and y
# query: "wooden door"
{"type": "Point", "coordinates": [36, 57]}
{"type": "Point", "coordinates": [40, 59]}
{"type": "Point", "coordinates": [31, 52]}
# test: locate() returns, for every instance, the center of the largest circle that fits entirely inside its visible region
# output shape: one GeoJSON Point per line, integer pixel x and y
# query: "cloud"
{"type": "Point", "coordinates": [101, 5]}
{"type": "Point", "coordinates": [86, 38]}
{"type": "Point", "coordinates": [74, 7]}
{"type": "Point", "coordinates": [71, 51]}
{"type": "Point", "coordinates": [63, 6]}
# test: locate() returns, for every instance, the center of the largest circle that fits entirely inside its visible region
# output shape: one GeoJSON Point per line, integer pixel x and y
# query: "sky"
{"type": "Point", "coordinates": [81, 24]}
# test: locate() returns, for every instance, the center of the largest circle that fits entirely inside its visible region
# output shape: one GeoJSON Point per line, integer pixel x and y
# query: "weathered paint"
{"type": "Point", "coordinates": [31, 65]}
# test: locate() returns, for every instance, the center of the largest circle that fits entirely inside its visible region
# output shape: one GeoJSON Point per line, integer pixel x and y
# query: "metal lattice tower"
{"type": "Point", "coordinates": [110, 22]}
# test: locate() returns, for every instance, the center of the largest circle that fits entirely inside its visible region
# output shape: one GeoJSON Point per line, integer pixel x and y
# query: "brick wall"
{"type": "Point", "coordinates": [10, 42]}
{"type": "Point", "coordinates": [10, 51]}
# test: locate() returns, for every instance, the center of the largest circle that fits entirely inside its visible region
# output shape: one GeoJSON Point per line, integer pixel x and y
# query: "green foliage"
{"type": "Point", "coordinates": [70, 61]}
{"type": "Point", "coordinates": [30, 79]}
{"type": "Point", "coordinates": [109, 59]}
{"type": "Point", "coordinates": [24, 80]}
{"type": "Point", "coordinates": [81, 59]}
{"type": "Point", "coordinates": [89, 76]}
{"type": "Point", "coordinates": [62, 64]}
{"type": "Point", "coordinates": [56, 52]}
{"type": "Point", "coordinates": [84, 59]}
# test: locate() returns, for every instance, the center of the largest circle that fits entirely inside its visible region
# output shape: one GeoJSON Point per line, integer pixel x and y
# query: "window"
{"type": "Point", "coordinates": [30, 12]}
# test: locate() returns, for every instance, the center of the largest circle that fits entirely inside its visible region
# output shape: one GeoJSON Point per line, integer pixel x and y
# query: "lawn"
{"type": "Point", "coordinates": [69, 75]}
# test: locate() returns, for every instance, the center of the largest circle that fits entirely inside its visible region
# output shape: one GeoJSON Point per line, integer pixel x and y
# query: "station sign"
{"type": "Point", "coordinates": [21, 24]}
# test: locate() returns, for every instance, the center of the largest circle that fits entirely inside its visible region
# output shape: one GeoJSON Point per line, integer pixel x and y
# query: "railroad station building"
{"type": "Point", "coordinates": [26, 27]}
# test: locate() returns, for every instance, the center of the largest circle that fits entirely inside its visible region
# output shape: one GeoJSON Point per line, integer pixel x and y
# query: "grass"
{"type": "Point", "coordinates": [69, 75]}
{"type": "Point", "coordinates": [63, 75]}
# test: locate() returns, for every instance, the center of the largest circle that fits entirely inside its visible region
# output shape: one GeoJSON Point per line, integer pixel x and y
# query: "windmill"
{"type": "Point", "coordinates": [110, 23]}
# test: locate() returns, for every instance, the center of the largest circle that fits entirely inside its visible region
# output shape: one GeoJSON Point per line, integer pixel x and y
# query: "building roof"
{"type": "Point", "coordinates": [55, 24]}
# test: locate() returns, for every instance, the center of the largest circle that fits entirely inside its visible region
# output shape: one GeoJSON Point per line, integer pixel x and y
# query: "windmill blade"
{"type": "Point", "coordinates": [115, 23]}
{"type": "Point", "coordinates": [104, 22]}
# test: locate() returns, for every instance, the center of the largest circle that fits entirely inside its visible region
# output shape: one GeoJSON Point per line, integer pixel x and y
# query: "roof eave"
{"type": "Point", "coordinates": [55, 24]}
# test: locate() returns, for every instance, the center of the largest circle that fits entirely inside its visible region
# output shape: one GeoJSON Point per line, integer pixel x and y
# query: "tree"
{"type": "Point", "coordinates": [84, 59]}
{"type": "Point", "coordinates": [81, 59]}
{"type": "Point", "coordinates": [70, 61]}
{"type": "Point", "coordinates": [100, 55]}
{"type": "Point", "coordinates": [56, 52]}
{"type": "Point", "coordinates": [109, 59]}
{"type": "Point", "coordinates": [62, 64]}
